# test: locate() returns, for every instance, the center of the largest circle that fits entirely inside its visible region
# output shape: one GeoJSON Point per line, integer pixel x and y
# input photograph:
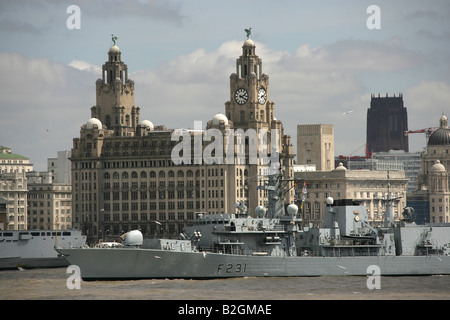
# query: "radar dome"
{"type": "Point", "coordinates": [260, 211]}
{"type": "Point", "coordinates": [292, 209]}
{"type": "Point", "coordinates": [91, 123]}
{"type": "Point", "coordinates": [133, 238]}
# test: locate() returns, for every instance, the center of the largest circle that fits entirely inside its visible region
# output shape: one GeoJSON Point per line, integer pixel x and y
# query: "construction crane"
{"type": "Point", "coordinates": [427, 131]}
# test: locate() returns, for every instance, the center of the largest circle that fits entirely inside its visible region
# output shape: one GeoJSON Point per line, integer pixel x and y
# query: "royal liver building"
{"type": "Point", "coordinates": [129, 174]}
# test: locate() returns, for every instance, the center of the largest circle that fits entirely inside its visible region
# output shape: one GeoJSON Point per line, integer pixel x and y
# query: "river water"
{"type": "Point", "coordinates": [49, 284]}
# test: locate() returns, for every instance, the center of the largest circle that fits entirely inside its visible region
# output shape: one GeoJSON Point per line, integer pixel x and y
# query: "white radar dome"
{"type": "Point", "coordinates": [292, 209]}
{"type": "Point", "coordinates": [260, 211]}
{"type": "Point", "coordinates": [133, 238]}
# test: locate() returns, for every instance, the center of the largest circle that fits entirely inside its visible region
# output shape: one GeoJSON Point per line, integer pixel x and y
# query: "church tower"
{"type": "Point", "coordinates": [115, 97]}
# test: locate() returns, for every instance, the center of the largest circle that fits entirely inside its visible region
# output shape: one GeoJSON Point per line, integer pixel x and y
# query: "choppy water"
{"type": "Point", "coordinates": [52, 284]}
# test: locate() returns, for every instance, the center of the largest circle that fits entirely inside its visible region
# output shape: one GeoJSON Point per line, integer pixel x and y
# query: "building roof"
{"type": "Point", "coordinates": [441, 136]}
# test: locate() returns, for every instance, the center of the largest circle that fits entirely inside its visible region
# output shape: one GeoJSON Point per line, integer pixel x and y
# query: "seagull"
{"type": "Point", "coordinates": [348, 112]}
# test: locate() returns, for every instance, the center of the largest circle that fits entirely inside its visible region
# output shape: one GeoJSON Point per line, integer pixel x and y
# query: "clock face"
{"type": "Point", "coordinates": [241, 96]}
{"type": "Point", "coordinates": [262, 96]}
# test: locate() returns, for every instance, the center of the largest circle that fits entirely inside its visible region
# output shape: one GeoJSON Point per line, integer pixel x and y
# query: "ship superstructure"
{"type": "Point", "coordinates": [36, 248]}
{"type": "Point", "coordinates": [274, 243]}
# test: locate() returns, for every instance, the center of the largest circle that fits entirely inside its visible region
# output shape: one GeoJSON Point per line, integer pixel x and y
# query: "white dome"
{"type": "Point", "coordinates": [218, 118]}
{"type": "Point", "coordinates": [148, 124]}
{"type": "Point", "coordinates": [437, 167]}
{"type": "Point", "coordinates": [93, 122]}
{"type": "Point", "coordinates": [133, 238]}
{"type": "Point", "coordinates": [340, 167]}
{"type": "Point", "coordinates": [249, 42]}
{"type": "Point", "coordinates": [114, 48]}
{"type": "Point", "coordinates": [292, 209]}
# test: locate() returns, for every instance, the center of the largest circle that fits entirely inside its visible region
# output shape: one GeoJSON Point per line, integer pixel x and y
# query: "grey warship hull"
{"type": "Point", "coordinates": [137, 263]}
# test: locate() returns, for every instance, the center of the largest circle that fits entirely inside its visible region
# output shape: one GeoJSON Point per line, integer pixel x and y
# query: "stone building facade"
{"type": "Point", "coordinates": [432, 182]}
{"type": "Point", "coordinates": [368, 187]}
{"type": "Point", "coordinates": [123, 171]}
{"type": "Point", "coordinates": [315, 145]}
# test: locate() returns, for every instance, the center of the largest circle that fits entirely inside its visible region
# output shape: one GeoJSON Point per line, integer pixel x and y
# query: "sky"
{"type": "Point", "coordinates": [324, 63]}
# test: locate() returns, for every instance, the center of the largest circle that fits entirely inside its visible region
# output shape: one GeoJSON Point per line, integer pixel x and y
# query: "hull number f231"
{"type": "Point", "coordinates": [231, 268]}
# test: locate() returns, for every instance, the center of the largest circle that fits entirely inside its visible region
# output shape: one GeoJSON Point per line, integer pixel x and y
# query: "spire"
{"type": "Point", "coordinates": [443, 123]}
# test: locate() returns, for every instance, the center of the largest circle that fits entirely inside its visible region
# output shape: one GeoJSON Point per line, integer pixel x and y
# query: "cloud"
{"type": "Point", "coordinates": [43, 104]}
{"type": "Point", "coordinates": [86, 66]}
{"type": "Point", "coordinates": [426, 102]}
{"type": "Point", "coordinates": [311, 85]}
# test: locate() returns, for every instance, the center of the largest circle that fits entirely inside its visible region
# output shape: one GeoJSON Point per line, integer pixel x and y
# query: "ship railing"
{"type": "Point", "coordinates": [237, 250]}
{"type": "Point", "coordinates": [277, 227]}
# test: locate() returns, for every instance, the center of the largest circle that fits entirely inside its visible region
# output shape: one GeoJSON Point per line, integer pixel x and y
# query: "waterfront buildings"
{"type": "Point", "coordinates": [432, 180]}
{"type": "Point", "coordinates": [123, 171]}
{"type": "Point", "coordinates": [49, 203]}
{"type": "Point", "coordinates": [13, 187]}
{"type": "Point", "coordinates": [368, 187]}
{"type": "Point", "coordinates": [315, 145]}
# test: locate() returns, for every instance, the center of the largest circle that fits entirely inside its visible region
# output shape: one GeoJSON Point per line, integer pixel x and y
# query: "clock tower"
{"type": "Point", "coordinates": [249, 105]}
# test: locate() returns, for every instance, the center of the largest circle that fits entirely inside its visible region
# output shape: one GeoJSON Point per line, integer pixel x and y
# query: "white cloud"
{"type": "Point", "coordinates": [310, 85]}
{"type": "Point", "coordinates": [43, 105]}
{"type": "Point", "coordinates": [86, 66]}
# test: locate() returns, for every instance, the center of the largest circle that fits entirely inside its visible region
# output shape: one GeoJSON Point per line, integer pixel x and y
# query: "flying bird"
{"type": "Point", "coordinates": [348, 112]}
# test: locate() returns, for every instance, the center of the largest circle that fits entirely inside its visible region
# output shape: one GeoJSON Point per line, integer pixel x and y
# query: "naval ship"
{"type": "Point", "coordinates": [36, 248]}
{"type": "Point", "coordinates": [274, 243]}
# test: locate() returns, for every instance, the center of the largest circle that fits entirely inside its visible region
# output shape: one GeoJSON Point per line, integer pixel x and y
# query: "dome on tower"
{"type": "Point", "coordinates": [340, 167]}
{"type": "Point", "coordinates": [114, 48]}
{"type": "Point", "coordinates": [249, 43]}
{"type": "Point", "coordinates": [437, 167]}
{"type": "Point", "coordinates": [441, 136]}
{"type": "Point", "coordinates": [218, 118]}
{"type": "Point", "coordinates": [91, 123]}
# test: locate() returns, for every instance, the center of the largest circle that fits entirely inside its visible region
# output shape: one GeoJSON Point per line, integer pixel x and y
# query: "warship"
{"type": "Point", "coordinates": [36, 248]}
{"type": "Point", "coordinates": [274, 243]}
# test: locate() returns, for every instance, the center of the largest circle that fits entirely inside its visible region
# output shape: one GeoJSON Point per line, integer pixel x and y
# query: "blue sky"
{"type": "Point", "coordinates": [321, 58]}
